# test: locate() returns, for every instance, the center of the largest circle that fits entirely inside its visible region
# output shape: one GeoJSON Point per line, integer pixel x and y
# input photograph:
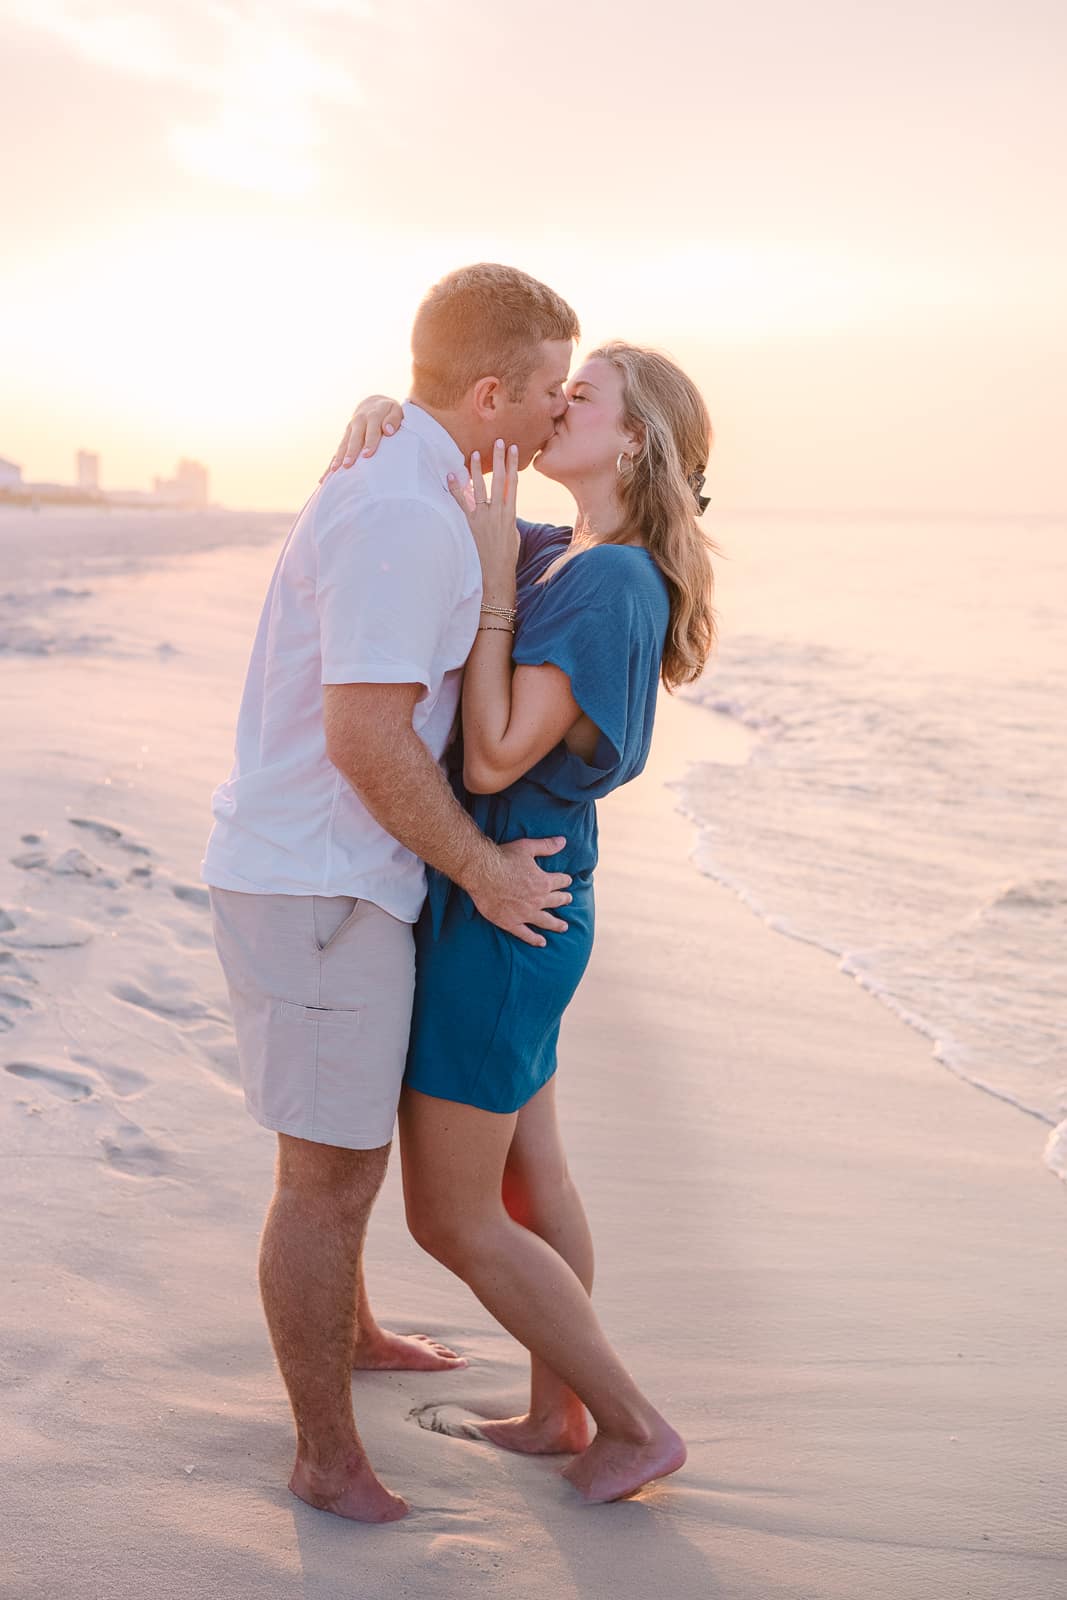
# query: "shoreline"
{"type": "Point", "coordinates": [733, 741]}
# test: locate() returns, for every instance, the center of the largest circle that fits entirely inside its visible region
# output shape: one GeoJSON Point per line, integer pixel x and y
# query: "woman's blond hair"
{"type": "Point", "coordinates": [659, 493]}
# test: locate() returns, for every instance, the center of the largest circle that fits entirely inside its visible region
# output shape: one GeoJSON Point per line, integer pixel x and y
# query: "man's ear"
{"type": "Point", "coordinates": [486, 397]}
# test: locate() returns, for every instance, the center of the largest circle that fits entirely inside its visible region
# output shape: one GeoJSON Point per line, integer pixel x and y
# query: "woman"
{"type": "Point", "coordinates": [557, 710]}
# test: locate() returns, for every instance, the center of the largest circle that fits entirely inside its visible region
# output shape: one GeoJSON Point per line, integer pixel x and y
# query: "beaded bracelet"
{"type": "Point", "coordinates": [493, 627]}
{"type": "Point", "coordinates": [507, 612]}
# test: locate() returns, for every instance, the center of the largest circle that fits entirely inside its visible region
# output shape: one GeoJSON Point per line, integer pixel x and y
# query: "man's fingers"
{"type": "Point", "coordinates": [521, 931]}
{"type": "Point", "coordinates": [545, 919]}
{"type": "Point", "coordinates": [546, 847]}
{"type": "Point", "coordinates": [558, 900]}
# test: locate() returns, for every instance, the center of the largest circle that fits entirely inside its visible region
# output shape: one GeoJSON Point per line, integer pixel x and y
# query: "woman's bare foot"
{"type": "Point", "coordinates": [613, 1468]}
{"type": "Point", "coordinates": [404, 1352]}
{"type": "Point", "coordinates": [560, 1435]}
{"type": "Point", "coordinates": [353, 1492]}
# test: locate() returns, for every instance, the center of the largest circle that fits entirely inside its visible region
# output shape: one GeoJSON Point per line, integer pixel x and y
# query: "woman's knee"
{"type": "Point", "coordinates": [455, 1237]}
{"type": "Point", "coordinates": [426, 1230]}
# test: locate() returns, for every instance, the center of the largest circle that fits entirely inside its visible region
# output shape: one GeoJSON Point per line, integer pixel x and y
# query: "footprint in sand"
{"type": "Point", "coordinates": [32, 930]}
{"type": "Point", "coordinates": [107, 833]}
{"type": "Point", "coordinates": [15, 979]}
{"type": "Point", "coordinates": [12, 968]}
{"type": "Point", "coordinates": [172, 1008]}
{"type": "Point", "coordinates": [125, 1082]}
{"type": "Point", "coordinates": [192, 894]}
{"type": "Point", "coordinates": [431, 1417]}
{"type": "Point", "coordinates": [71, 864]}
{"type": "Point", "coordinates": [67, 1085]}
{"type": "Point", "coordinates": [30, 860]}
{"type": "Point", "coordinates": [130, 1151]}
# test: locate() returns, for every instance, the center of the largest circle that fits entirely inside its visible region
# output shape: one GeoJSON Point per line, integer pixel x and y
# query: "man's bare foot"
{"type": "Point", "coordinates": [352, 1492]}
{"type": "Point", "coordinates": [613, 1468]}
{"type": "Point", "coordinates": [554, 1436]}
{"type": "Point", "coordinates": [404, 1352]}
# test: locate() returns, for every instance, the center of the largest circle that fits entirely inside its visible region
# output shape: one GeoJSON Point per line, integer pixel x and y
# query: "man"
{"type": "Point", "coordinates": [335, 800]}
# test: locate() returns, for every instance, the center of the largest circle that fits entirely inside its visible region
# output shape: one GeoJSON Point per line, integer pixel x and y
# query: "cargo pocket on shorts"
{"type": "Point", "coordinates": [310, 1070]}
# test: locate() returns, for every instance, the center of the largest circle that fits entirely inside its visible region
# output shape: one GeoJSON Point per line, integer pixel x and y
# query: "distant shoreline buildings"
{"type": "Point", "coordinates": [186, 491]}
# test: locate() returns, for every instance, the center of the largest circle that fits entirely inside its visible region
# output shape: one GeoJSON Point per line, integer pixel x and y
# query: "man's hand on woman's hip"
{"type": "Point", "coordinates": [517, 896]}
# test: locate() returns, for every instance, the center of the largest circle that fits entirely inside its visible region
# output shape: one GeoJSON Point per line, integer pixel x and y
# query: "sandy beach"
{"type": "Point", "coordinates": [857, 1323]}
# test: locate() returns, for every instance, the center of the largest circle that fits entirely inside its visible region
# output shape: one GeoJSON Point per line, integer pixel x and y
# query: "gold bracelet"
{"type": "Point", "coordinates": [493, 627]}
{"type": "Point", "coordinates": [507, 612]}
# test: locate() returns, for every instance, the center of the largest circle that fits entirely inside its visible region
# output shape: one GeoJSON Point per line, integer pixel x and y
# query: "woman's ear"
{"type": "Point", "coordinates": [635, 441]}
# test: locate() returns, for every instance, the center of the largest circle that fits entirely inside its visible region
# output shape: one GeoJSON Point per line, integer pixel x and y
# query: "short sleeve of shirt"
{"type": "Point", "coordinates": [387, 579]}
{"type": "Point", "coordinates": [539, 545]}
{"type": "Point", "coordinates": [602, 621]}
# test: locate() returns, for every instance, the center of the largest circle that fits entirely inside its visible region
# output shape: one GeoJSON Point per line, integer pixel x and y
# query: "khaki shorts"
{"type": "Point", "coordinates": [321, 990]}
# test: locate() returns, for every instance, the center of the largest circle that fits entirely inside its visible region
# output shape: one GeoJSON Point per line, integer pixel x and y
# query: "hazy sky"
{"type": "Point", "coordinates": [848, 220]}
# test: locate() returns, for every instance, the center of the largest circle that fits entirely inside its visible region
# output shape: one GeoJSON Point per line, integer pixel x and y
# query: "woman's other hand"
{"type": "Point", "coordinates": [374, 417]}
{"type": "Point", "coordinates": [492, 518]}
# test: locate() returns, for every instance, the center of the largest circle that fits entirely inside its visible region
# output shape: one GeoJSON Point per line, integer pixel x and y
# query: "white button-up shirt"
{"type": "Point", "coordinates": [378, 582]}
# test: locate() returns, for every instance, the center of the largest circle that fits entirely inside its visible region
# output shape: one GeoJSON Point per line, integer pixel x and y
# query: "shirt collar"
{"type": "Point", "coordinates": [445, 450]}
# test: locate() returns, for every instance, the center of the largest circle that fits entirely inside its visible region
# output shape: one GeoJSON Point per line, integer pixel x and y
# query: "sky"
{"type": "Point", "coordinates": [846, 219]}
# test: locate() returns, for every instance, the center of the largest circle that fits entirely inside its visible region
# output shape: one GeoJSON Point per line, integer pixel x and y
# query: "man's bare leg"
{"type": "Point", "coordinates": [377, 1350]}
{"type": "Point", "coordinates": [307, 1271]}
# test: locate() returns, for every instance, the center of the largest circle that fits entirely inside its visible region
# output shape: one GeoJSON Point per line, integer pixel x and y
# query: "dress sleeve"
{"type": "Point", "coordinates": [601, 621]}
{"type": "Point", "coordinates": [538, 538]}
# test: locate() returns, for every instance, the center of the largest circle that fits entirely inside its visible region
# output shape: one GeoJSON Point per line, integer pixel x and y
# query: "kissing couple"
{"type": "Point", "coordinates": [401, 864]}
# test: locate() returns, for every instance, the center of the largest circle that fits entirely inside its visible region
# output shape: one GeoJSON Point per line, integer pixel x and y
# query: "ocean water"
{"type": "Point", "coordinates": [53, 560]}
{"type": "Point", "coordinates": [902, 806]}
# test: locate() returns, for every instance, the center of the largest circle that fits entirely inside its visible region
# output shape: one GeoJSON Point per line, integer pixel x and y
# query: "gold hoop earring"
{"type": "Point", "coordinates": [619, 459]}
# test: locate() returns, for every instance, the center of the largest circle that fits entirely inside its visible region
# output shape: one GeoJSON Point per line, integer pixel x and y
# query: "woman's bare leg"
{"type": "Point", "coordinates": [454, 1158]}
{"type": "Point", "coordinates": [539, 1193]}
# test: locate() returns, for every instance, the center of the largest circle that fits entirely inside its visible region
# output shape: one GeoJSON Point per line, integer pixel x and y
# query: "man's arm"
{"type": "Point", "coordinates": [371, 741]}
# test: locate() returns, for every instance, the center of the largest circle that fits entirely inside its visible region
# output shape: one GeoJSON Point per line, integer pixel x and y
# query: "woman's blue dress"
{"type": "Point", "coordinates": [487, 1006]}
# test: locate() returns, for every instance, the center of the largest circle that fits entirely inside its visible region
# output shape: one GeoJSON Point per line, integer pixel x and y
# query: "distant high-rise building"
{"type": "Point", "coordinates": [191, 481]}
{"type": "Point", "coordinates": [88, 470]}
{"type": "Point", "coordinates": [188, 487]}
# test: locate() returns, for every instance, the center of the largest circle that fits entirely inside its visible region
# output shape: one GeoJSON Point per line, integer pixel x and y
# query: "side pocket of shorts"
{"type": "Point", "coordinates": [327, 905]}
